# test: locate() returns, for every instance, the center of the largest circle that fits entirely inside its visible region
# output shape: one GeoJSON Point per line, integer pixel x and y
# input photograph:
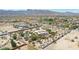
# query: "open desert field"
{"type": "Point", "coordinates": [68, 42]}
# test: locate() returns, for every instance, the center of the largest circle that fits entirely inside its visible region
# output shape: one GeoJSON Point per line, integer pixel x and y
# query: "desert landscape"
{"type": "Point", "coordinates": [39, 30]}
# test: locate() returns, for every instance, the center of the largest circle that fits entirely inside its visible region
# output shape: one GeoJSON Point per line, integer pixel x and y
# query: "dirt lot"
{"type": "Point", "coordinates": [68, 42]}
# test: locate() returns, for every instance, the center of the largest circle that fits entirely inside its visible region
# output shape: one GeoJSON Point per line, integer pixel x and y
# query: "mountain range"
{"type": "Point", "coordinates": [30, 12]}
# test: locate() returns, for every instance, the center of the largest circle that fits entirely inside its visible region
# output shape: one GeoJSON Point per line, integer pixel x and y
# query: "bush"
{"type": "Point", "coordinates": [13, 43]}
{"type": "Point", "coordinates": [34, 37]}
{"type": "Point", "coordinates": [26, 37]}
{"type": "Point", "coordinates": [22, 34]}
{"type": "Point", "coordinates": [14, 36]}
{"type": "Point", "coordinates": [50, 19]}
{"type": "Point", "coordinates": [74, 27]}
{"type": "Point", "coordinates": [5, 49]}
{"type": "Point", "coordinates": [49, 30]}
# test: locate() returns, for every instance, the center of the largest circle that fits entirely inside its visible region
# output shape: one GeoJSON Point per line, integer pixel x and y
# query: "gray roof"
{"type": "Point", "coordinates": [2, 33]}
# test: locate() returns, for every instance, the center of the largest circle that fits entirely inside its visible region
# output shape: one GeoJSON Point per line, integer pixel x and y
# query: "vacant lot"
{"type": "Point", "coordinates": [70, 41]}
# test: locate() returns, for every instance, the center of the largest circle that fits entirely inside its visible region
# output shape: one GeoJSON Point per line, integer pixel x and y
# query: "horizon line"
{"type": "Point", "coordinates": [56, 10]}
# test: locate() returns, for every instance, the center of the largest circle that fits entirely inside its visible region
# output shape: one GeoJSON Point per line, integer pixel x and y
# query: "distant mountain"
{"type": "Point", "coordinates": [31, 12]}
{"type": "Point", "coordinates": [11, 13]}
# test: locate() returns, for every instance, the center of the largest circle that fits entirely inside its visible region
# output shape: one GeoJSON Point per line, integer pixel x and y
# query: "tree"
{"type": "Point", "coordinates": [34, 37]}
{"type": "Point", "coordinates": [13, 43]}
{"type": "Point", "coordinates": [49, 30]}
{"type": "Point", "coordinates": [50, 23]}
{"type": "Point", "coordinates": [50, 19]}
{"type": "Point", "coordinates": [66, 25]}
{"type": "Point", "coordinates": [73, 27]}
{"type": "Point", "coordinates": [22, 34]}
{"type": "Point", "coordinates": [53, 33]}
{"type": "Point", "coordinates": [26, 37]}
{"type": "Point", "coordinates": [14, 36]}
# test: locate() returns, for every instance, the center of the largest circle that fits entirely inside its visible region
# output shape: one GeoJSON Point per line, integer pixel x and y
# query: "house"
{"type": "Point", "coordinates": [3, 33]}
{"type": "Point", "coordinates": [22, 26]}
{"type": "Point", "coordinates": [42, 32]}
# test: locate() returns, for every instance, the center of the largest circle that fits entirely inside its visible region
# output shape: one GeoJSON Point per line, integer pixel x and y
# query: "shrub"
{"type": "Point", "coordinates": [13, 43]}
{"type": "Point", "coordinates": [5, 49]}
{"type": "Point", "coordinates": [14, 36]}
{"type": "Point", "coordinates": [21, 34]}
{"type": "Point", "coordinates": [34, 37]}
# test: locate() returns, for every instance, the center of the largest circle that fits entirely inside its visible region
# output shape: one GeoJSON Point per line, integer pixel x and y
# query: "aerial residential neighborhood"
{"type": "Point", "coordinates": [38, 30]}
